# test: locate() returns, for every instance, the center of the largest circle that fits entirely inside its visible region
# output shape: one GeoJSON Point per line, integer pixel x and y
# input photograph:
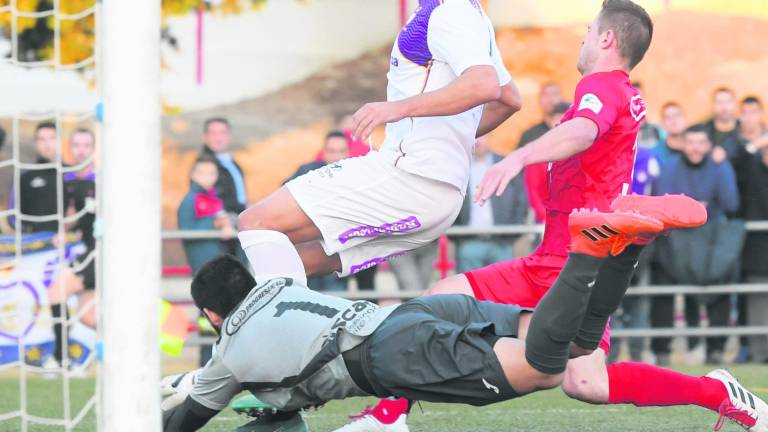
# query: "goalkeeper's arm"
{"type": "Point", "coordinates": [193, 398]}
{"type": "Point", "coordinates": [189, 416]}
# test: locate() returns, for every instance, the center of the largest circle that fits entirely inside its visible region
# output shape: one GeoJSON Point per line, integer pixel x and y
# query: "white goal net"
{"type": "Point", "coordinates": [79, 215]}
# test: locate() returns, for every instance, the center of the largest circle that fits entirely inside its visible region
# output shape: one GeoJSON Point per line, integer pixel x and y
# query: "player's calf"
{"type": "Point", "coordinates": [611, 284]}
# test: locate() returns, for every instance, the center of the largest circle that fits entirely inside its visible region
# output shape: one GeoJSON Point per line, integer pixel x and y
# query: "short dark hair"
{"type": "Point", "coordinates": [631, 24]}
{"type": "Point", "coordinates": [45, 125]}
{"type": "Point", "coordinates": [752, 100]}
{"type": "Point", "coordinates": [723, 89]}
{"type": "Point", "coordinates": [211, 120]}
{"type": "Point", "coordinates": [561, 108]}
{"type": "Point", "coordinates": [221, 284]}
{"type": "Point", "coordinates": [205, 158]}
{"type": "Point", "coordinates": [82, 130]}
{"type": "Point", "coordinates": [671, 104]}
{"type": "Point", "coordinates": [698, 128]}
{"type": "Point", "coordinates": [547, 84]}
{"type": "Point", "coordinates": [335, 134]}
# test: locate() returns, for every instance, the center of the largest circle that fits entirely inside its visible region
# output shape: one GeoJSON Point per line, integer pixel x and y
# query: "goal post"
{"type": "Point", "coordinates": [129, 39]}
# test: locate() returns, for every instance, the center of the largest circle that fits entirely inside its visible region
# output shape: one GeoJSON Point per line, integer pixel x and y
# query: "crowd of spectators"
{"type": "Point", "coordinates": [722, 162]}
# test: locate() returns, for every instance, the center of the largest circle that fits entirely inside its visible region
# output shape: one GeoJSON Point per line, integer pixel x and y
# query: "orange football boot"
{"type": "Point", "coordinates": [601, 234]}
{"type": "Point", "coordinates": [674, 211]}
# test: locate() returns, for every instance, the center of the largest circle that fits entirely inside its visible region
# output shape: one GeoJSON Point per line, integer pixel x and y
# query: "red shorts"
{"type": "Point", "coordinates": [522, 281]}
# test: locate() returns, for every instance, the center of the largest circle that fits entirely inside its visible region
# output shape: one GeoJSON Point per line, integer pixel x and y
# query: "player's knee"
{"type": "Point", "coordinates": [256, 217]}
{"type": "Point", "coordinates": [585, 386]}
{"type": "Point", "coordinates": [532, 381]}
{"type": "Point", "coordinates": [546, 382]}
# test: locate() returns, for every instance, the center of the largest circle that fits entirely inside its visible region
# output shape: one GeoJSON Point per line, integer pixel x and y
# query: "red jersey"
{"type": "Point", "coordinates": [593, 178]}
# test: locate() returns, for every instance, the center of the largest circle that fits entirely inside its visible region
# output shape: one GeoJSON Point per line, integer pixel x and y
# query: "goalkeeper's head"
{"type": "Point", "coordinates": [219, 286]}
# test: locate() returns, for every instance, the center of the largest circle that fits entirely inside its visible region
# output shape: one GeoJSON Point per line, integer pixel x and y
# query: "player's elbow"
{"type": "Point", "coordinates": [584, 143]}
{"type": "Point", "coordinates": [583, 139]}
{"type": "Point", "coordinates": [490, 91]}
{"type": "Point", "coordinates": [511, 97]}
{"type": "Point", "coordinates": [516, 103]}
{"type": "Point", "coordinates": [580, 133]}
{"type": "Point", "coordinates": [485, 84]}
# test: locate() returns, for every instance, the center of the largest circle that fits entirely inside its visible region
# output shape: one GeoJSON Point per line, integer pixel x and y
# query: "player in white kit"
{"type": "Point", "coordinates": [447, 86]}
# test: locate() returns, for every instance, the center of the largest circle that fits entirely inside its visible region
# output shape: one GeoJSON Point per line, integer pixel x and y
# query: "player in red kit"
{"type": "Point", "coordinates": [591, 155]}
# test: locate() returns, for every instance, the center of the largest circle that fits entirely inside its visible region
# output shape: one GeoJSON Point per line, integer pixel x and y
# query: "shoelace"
{"type": "Point", "coordinates": [362, 414]}
{"type": "Point", "coordinates": [736, 413]}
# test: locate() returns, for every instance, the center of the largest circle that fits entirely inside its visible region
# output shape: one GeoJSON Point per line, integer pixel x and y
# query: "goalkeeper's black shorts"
{"type": "Point", "coordinates": [437, 349]}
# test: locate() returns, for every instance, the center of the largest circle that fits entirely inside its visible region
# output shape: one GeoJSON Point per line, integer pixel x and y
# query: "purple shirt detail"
{"type": "Point", "coordinates": [404, 225]}
{"type": "Point", "coordinates": [373, 262]}
{"type": "Point", "coordinates": [645, 171]}
{"type": "Point", "coordinates": [412, 40]}
{"type": "Point", "coordinates": [69, 176]}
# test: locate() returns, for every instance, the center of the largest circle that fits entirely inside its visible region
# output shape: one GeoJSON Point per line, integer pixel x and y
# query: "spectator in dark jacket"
{"type": "Point", "coordinates": [357, 147]}
{"type": "Point", "coordinates": [202, 209]}
{"type": "Point", "coordinates": [230, 185]}
{"type": "Point", "coordinates": [674, 122]}
{"type": "Point", "coordinates": [751, 164]}
{"type": "Point", "coordinates": [509, 209]}
{"type": "Point", "coordinates": [549, 96]}
{"type": "Point", "coordinates": [723, 127]}
{"type": "Point", "coordinates": [335, 148]}
{"type": "Point", "coordinates": [39, 187]}
{"type": "Point", "coordinates": [753, 135]}
{"type": "Point", "coordinates": [695, 174]}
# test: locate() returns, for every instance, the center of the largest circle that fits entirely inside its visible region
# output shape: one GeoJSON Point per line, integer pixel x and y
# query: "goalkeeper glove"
{"type": "Point", "coordinates": [175, 388]}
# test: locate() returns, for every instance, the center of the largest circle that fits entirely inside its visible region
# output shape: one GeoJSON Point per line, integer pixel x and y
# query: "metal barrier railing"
{"type": "Point", "coordinates": [456, 231]}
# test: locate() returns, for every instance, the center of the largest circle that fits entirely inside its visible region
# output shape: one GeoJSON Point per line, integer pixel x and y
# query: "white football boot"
{"type": "Point", "coordinates": [367, 422]}
{"type": "Point", "coordinates": [742, 406]}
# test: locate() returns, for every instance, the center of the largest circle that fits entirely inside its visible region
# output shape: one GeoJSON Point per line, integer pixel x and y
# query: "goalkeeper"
{"type": "Point", "coordinates": [294, 348]}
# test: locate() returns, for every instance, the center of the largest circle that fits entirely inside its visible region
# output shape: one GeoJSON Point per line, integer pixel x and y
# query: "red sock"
{"type": "Point", "coordinates": [389, 410]}
{"type": "Point", "coordinates": [646, 385]}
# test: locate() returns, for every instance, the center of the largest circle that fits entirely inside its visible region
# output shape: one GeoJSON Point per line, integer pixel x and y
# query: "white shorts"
{"type": "Point", "coordinates": [368, 210]}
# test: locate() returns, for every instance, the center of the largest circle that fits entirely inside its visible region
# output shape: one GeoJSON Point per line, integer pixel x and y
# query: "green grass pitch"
{"type": "Point", "coordinates": [546, 411]}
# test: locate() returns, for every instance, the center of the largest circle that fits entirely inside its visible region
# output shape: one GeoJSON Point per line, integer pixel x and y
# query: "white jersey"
{"type": "Point", "coordinates": [442, 39]}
